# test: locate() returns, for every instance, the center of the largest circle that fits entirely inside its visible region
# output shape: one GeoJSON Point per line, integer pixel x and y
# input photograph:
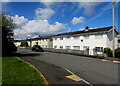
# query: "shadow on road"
{"type": "Point", "coordinates": [27, 54]}
{"type": "Point", "coordinates": [22, 55]}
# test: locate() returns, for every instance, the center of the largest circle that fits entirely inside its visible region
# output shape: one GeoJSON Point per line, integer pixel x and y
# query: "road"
{"type": "Point", "coordinates": [92, 70]}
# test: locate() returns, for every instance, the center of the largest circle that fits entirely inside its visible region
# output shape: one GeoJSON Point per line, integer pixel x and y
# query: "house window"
{"type": "Point", "coordinates": [67, 47]}
{"type": "Point", "coordinates": [42, 46]}
{"type": "Point", "coordinates": [50, 39]}
{"type": "Point", "coordinates": [86, 36]}
{"type": "Point", "coordinates": [76, 37]}
{"type": "Point", "coordinates": [68, 37]}
{"type": "Point", "coordinates": [55, 38]}
{"type": "Point", "coordinates": [98, 35]}
{"type": "Point", "coordinates": [47, 40]}
{"type": "Point", "coordinates": [76, 47]}
{"type": "Point", "coordinates": [61, 47]}
{"type": "Point", "coordinates": [36, 43]}
{"type": "Point", "coordinates": [99, 49]}
{"type": "Point", "coordinates": [61, 38]}
{"type": "Point", "coordinates": [55, 47]}
{"type": "Point", "coordinates": [85, 47]}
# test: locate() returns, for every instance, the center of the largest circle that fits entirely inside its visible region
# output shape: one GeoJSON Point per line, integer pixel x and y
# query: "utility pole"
{"type": "Point", "coordinates": [113, 28]}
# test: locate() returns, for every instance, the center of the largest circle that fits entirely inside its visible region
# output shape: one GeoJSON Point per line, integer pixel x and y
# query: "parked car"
{"type": "Point", "coordinates": [37, 48]}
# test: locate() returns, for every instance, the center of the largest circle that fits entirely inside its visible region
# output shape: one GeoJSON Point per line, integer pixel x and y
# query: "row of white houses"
{"type": "Point", "coordinates": [91, 39]}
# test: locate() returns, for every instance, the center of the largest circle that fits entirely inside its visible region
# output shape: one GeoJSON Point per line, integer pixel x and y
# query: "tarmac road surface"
{"type": "Point", "coordinates": [90, 71]}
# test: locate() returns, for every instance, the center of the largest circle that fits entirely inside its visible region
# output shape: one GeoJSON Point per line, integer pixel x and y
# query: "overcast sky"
{"type": "Point", "coordinates": [48, 18]}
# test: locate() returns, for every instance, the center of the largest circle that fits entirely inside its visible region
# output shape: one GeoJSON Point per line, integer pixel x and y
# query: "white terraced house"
{"type": "Point", "coordinates": [92, 39]}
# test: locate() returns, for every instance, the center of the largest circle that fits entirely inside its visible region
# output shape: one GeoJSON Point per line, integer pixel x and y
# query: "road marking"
{"type": "Point", "coordinates": [116, 61]}
{"type": "Point", "coordinates": [106, 60]}
{"type": "Point", "coordinates": [101, 60]}
{"type": "Point", "coordinates": [78, 77]}
{"type": "Point", "coordinates": [73, 77]}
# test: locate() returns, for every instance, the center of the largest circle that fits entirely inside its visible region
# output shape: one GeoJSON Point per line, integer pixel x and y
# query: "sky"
{"type": "Point", "coordinates": [48, 18]}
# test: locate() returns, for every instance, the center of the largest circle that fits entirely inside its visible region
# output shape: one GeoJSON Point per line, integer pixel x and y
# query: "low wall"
{"type": "Point", "coordinates": [73, 52]}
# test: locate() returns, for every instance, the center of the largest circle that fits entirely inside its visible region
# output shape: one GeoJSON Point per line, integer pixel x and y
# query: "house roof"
{"type": "Point", "coordinates": [42, 37]}
{"type": "Point", "coordinates": [104, 29]}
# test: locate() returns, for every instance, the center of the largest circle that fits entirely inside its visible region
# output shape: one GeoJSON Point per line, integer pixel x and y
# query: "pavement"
{"type": "Point", "coordinates": [72, 70]}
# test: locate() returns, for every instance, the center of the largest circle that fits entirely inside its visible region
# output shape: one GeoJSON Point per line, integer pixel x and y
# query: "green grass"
{"type": "Point", "coordinates": [15, 71]}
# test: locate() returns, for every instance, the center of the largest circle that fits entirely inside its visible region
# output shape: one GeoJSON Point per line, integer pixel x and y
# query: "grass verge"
{"type": "Point", "coordinates": [15, 71]}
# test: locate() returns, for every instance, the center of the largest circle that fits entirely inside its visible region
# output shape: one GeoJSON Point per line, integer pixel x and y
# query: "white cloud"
{"type": "Point", "coordinates": [19, 21]}
{"type": "Point", "coordinates": [59, 0]}
{"type": "Point", "coordinates": [89, 7]}
{"type": "Point", "coordinates": [48, 3]}
{"type": "Point", "coordinates": [4, 0]}
{"type": "Point", "coordinates": [102, 11]}
{"type": "Point", "coordinates": [37, 27]}
{"type": "Point", "coordinates": [81, 29]}
{"type": "Point", "coordinates": [77, 20]}
{"type": "Point", "coordinates": [44, 13]}
{"type": "Point", "coordinates": [84, 28]}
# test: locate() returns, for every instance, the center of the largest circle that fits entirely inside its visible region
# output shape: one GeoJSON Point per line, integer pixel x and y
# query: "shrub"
{"type": "Point", "coordinates": [24, 44]}
{"type": "Point", "coordinates": [117, 53]}
{"type": "Point", "coordinates": [108, 52]}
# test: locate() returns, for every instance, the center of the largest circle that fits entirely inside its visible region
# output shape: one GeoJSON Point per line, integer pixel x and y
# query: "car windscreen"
{"type": "Point", "coordinates": [37, 46]}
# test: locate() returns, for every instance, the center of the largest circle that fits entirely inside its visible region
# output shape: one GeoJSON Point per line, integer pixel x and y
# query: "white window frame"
{"type": "Point", "coordinates": [55, 39]}
{"type": "Point", "coordinates": [76, 37]}
{"type": "Point", "coordinates": [86, 36]}
{"type": "Point", "coordinates": [67, 38]}
{"type": "Point", "coordinates": [98, 36]}
{"type": "Point", "coordinates": [61, 38]}
{"type": "Point", "coordinates": [86, 47]}
{"type": "Point", "coordinates": [55, 46]}
{"type": "Point", "coordinates": [61, 47]}
{"type": "Point", "coordinates": [76, 48]}
{"type": "Point", "coordinates": [100, 50]}
{"type": "Point", "coordinates": [67, 47]}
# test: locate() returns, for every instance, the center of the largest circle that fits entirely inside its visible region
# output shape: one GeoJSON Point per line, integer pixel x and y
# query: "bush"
{"type": "Point", "coordinates": [24, 44]}
{"type": "Point", "coordinates": [108, 52]}
{"type": "Point", "coordinates": [117, 53]}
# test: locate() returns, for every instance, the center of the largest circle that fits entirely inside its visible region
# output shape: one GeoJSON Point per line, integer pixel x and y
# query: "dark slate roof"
{"type": "Point", "coordinates": [104, 29]}
{"type": "Point", "coordinates": [42, 37]}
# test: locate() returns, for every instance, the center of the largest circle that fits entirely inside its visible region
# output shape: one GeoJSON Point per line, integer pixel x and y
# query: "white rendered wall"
{"type": "Point", "coordinates": [17, 44]}
{"type": "Point", "coordinates": [92, 42]}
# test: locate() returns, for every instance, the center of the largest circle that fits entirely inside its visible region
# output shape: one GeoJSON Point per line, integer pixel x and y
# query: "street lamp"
{"type": "Point", "coordinates": [113, 28]}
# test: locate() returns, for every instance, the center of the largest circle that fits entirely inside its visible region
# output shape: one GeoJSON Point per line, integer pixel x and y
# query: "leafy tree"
{"type": "Point", "coordinates": [117, 53]}
{"type": "Point", "coordinates": [108, 52]}
{"type": "Point", "coordinates": [24, 44]}
{"type": "Point", "coordinates": [7, 28]}
{"type": "Point", "coordinates": [7, 34]}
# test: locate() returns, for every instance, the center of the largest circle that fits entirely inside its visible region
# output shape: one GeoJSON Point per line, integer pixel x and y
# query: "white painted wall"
{"type": "Point", "coordinates": [92, 42]}
{"type": "Point", "coordinates": [17, 44]}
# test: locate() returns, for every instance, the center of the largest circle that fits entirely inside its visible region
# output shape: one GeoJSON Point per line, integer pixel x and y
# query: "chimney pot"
{"type": "Point", "coordinates": [86, 28]}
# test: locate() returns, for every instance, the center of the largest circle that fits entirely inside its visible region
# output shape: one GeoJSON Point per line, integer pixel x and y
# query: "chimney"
{"type": "Point", "coordinates": [86, 28]}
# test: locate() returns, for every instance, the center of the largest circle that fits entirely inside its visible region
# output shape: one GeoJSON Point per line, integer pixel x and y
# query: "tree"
{"type": "Point", "coordinates": [24, 44]}
{"type": "Point", "coordinates": [7, 34]}
{"type": "Point", "coordinates": [7, 28]}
